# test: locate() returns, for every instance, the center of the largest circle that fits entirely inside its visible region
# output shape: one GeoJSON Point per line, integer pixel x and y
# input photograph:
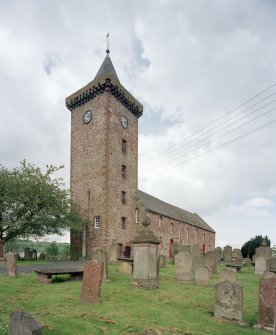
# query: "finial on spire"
{"type": "Point", "coordinates": [107, 44]}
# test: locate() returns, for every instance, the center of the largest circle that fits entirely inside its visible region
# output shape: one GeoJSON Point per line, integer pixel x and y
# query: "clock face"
{"type": "Point", "coordinates": [124, 122]}
{"type": "Point", "coordinates": [87, 116]}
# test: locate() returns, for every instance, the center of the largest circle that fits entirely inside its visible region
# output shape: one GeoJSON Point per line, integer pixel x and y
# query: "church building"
{"type": "Point", "coordinates": [104, 175]}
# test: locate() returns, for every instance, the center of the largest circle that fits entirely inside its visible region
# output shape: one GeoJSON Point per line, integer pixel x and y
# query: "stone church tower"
{"type": "Point", "coordinates": [104, 154]}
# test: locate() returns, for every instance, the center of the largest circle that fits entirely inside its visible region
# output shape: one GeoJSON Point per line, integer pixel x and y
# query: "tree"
{"type": "Point", "coordinates": [249, 247]}
{"type": "Point", "coordinates": [52, 249]}
{"type": "Point", "coordinates": [34, 204]}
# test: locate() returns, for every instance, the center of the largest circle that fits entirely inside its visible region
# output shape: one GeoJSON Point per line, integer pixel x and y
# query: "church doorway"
{"type": "Point", "coordinates": [171, 248]}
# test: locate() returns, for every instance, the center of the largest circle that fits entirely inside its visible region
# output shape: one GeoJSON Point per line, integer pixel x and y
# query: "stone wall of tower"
{"type": "Point", "coordinates": [96, 171]}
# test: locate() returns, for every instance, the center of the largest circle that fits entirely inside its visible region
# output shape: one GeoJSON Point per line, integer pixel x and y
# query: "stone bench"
{"type": "Point", "coordinates": [235, 266]}
{"type": "Point", "coordinates": [45, 275]}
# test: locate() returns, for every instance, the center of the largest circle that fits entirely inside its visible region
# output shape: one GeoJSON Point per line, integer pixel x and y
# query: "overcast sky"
{"type": "Point", "coordinates": [204, 71]}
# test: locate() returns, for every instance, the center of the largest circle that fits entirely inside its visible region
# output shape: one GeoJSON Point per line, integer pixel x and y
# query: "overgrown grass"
{"type": "Point", "coordinates": [175, 308]}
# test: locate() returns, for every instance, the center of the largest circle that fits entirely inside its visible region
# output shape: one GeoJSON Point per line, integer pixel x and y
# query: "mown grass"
{"type": "Point", "coordinates": [175, 308]}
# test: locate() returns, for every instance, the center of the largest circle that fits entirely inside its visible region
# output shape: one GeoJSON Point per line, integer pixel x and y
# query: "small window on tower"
{"type": "Point", "coordinates": [123, 197]}
{"type": "Point", "coordinates": [123, 222]}
{"type": "Point", "coordinates": [124, 146]}
{"type": "Point", "coordinates": [136, 215]}
{"type": "Point", "coordinates": [123, 171]}
{"type": "Point", "coordinates": [160, 221]}
{"type": "Point", "coordinates": [97, 222]}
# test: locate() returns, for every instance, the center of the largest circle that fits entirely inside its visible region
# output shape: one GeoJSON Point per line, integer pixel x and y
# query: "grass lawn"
{"type": "Point", "coordinates": [175, 308]}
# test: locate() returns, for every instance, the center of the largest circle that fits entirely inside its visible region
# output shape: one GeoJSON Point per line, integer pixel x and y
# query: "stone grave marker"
{"type": "Point", "coordinates": [271, 264]}
{"type": "Point", "coordinates": [202, 276]}
{"type": "Point", "coordinates": [218, 251]}
{"type": "Point", "coordinates": [22, 323]}
{"type": "Point", "coordinates": [267, 299]}
{"type": "Point", "coordinates": [229, 275]}
{"type": "Point", "coordinates": [184, 266]}
{"type": "Point", "coordinates": [34, 255]}
{"type": "Point", "coordinates": [27, 254]}
{"type": "Point", "coordinates": [11, 264]}
{"type": "Point", "coordinates": [162, 261]}
{"type": "Point", "coordinates": [92, 281]}
{"type": "Point", "coordinates": [227, 253]}
{"type": "Point", "coordinates": [211, 262]}
{"type": "Point", "coordinates": [113, 253]}
{"type": "Point", "coordinates": [228, 301]}
{"type": "Point", "coordinates": [41, 257]}
{"type": "Point", "coordinates": [260, 265]}
{"type": "Point", "coordinates": [264, 250]}
{"type": "Point", "coordinates": [100, 255]}
{"type": "Point", "coordinates": [197, 257]}
{"type": "Point", "coordinates": [236, 254]}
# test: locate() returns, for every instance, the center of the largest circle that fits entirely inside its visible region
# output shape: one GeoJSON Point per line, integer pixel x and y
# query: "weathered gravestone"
{"type": "Point", "coordinates": [227, 253]}
{"type": "Point", "coordinates": [92, 281]}
{"type": "Point", "coordinates": [145, 260]}
{"type": "Point", "coordinates": [218, 251]}
{"type": "Point", "coordinates": [27, 254]}
{"type": "Point", "coordinates": [126, 266]}
{"type": "Point", "coordinates": [264, 250]}
{"type": "Point", "coordinates": [229, 275]}
{"type": "Point", "coordinates": [228, 301]}
{"type": "Point", "coordinates": [202, 276]}
{"type": "Point", "coordinates": [236, 254]}
{"type": "Point", "coordinates": [184, 266]}
{"type": "Point", "coordinates": [162, 261]}
{"type": "Point", "coordinates": [99, 254]}
{"type": "Point", "coordinates": [211, 262]}
{"type": "Point", "coordinates": [41, 257]}
{"type": "Point", "coordinates": [271, 264]}
{"type": "Point", "coordinates": [34, 255]}
{"type": "Point", "coordinates": [22, 323]}
{"type": "Point", "coordinates": [11, 264]}
{"type": "Point", "coordinates": [113, 253]}
{"type": "Point", "coordinates": [260, 265]}
{"type": "Point", "coordinates": [197, 257]}
{"type": "Point", "coordinates": [267, 299]}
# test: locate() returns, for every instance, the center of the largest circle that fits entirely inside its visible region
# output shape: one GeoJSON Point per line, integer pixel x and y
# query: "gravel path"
{"type": "Point", "coordinates": [48, 265]}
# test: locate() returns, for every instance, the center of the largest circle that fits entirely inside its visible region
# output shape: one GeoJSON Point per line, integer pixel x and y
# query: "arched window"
{"type": "Point", "coordinates": [171, 227]}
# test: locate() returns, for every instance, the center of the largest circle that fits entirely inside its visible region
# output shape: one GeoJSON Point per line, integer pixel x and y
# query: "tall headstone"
{"type": "Point", "coordinates": [218, 251]}
{"type": "Point", "coordinates": [229, 275]}
{"type": "Point", "coordinates": [34, 255]}
{"type": "Point", "coordinates": [227, 253]}
{"type": "Point", "coordinates": [202, 276]}
{"type": "Point", "coordinates": [184, 266]}
{"type": "Point", "coordinates": [162, 261]}
{"type": "Point", "coordinates": [197, 257]}
{"type": "Point", "coordinates": [92, 281]}
{"type": "Point", "coordinates": [11, 264]}
{"type": "Point", "coordinates": [211, 262]}
{"type": "Point", "coordinates": [113, 253]}
{"type": "Point", "coordinates": [260, 265]}
{"type": "Point", "coordinates": [22, 323]}
{"type": "Point", "coordinates": [1, 249]}
{"type": "Point", "coordinates": [228, 301]}
{"type": "Point", "coordinates": [267, 299]}
{"type": "Point", "coordinates": [145, 260]}
{"type": "Point", "coordinates": [236, 254]}
{"type": "Point", "coordinates": [271, 264]}
{"type": "Point", "coordinates": [264, 250]}
{"type": "Point", "coordinates": [27, 254]}
{"type": "Point", "coordinates": [99, 254]}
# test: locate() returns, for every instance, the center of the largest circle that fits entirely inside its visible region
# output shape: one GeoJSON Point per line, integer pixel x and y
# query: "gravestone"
{"type": "Point", "coordinates": [162, 261]}
{"type": "Point", "coordinates": [92, 281]}
{"type": "Point", "coordinates": [41, 257]}
{"type": "Point", "coordinates": [113, 253]}
{"type": "Point", "coordinates": [211, 262]}
{"type": "Point", "coordinates": [184, 266]}
{"type": "Point", "coordinates": [229, 275]}
{"type": "Point", "coordinates": [22, 323]}
{"type": "Point", "coordinates": [11, 264]}
{"type": "Point", "coordinates": [1, 249]}
{"type": "Point", "coordinates": [267, 299]}
{"type": "Point", "coordinates": [271, 264]}
{"type": "Point", "coordinates": [236, 254]}
{"type": "Point", "coordinates": [218, 251]}
{"type": "Point", "coordinates": [260, 265]}
{"type": "Point", "coordinates": [126, 266]}
{"type": "Point", "coordinates": [17, 256]}
{"type": "Point", "coordinates": [227, 253]}
{"type": "Point", "coordinates": [34, 255]}
{"type": "Point", "coordinates": [228, 301]}
{"type": "Point", "coordinates": [264, 250]}
{"type": "Point", "coordinates": [27, 254]}
{"type": "Point", "coordinates": [202, 276]}
{"type": "Point", "coordinates": [145, 260]}
{"type": "Point", "coordinates": [197, 257]}
{"type": "Point", "coordinates": [99, 254]}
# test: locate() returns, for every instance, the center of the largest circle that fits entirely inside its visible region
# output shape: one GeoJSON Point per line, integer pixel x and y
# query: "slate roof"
{"type": "Point", "coordinates": [163, 208]}
{"type": "Point", "coordinates": [107, 68]}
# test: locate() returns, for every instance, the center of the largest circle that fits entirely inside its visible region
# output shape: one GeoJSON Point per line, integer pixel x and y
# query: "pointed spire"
{"type": "Point", "coordinates": [107, 67]}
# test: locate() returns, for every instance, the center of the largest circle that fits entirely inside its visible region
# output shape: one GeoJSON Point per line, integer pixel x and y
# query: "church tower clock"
{"type": "Point", "coordinates": [104, 153]}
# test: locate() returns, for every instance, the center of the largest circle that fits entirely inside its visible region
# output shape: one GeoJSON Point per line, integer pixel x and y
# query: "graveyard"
{"type": "Point", "coordinates": [176, 307]}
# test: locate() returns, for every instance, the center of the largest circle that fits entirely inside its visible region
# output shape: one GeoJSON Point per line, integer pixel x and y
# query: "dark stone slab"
{"type": "Point", "coordinates": [22, 323]}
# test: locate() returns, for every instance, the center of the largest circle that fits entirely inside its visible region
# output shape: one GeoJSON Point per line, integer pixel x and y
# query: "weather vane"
{"type": "Point", "coordinates": [107, 43]}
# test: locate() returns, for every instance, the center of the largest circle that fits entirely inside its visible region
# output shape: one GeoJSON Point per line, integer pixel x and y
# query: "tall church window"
{"type": "Point", "coordinates": [124, 146]}
{"type": "Point", "coordinates": [123, 171]}
{"type": "Point", "coordinates": [136, 215]}
{"type": "Point", "coordinates": [171, 228]}
{"type": "Point", "coordinates": [160, 221]}
{"type": "Point", "coordinates": [97, 222]}
{"type": "Point", "coordinates": [123, 222]}
{"type": "Point", "coordinates": [123, 197]}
